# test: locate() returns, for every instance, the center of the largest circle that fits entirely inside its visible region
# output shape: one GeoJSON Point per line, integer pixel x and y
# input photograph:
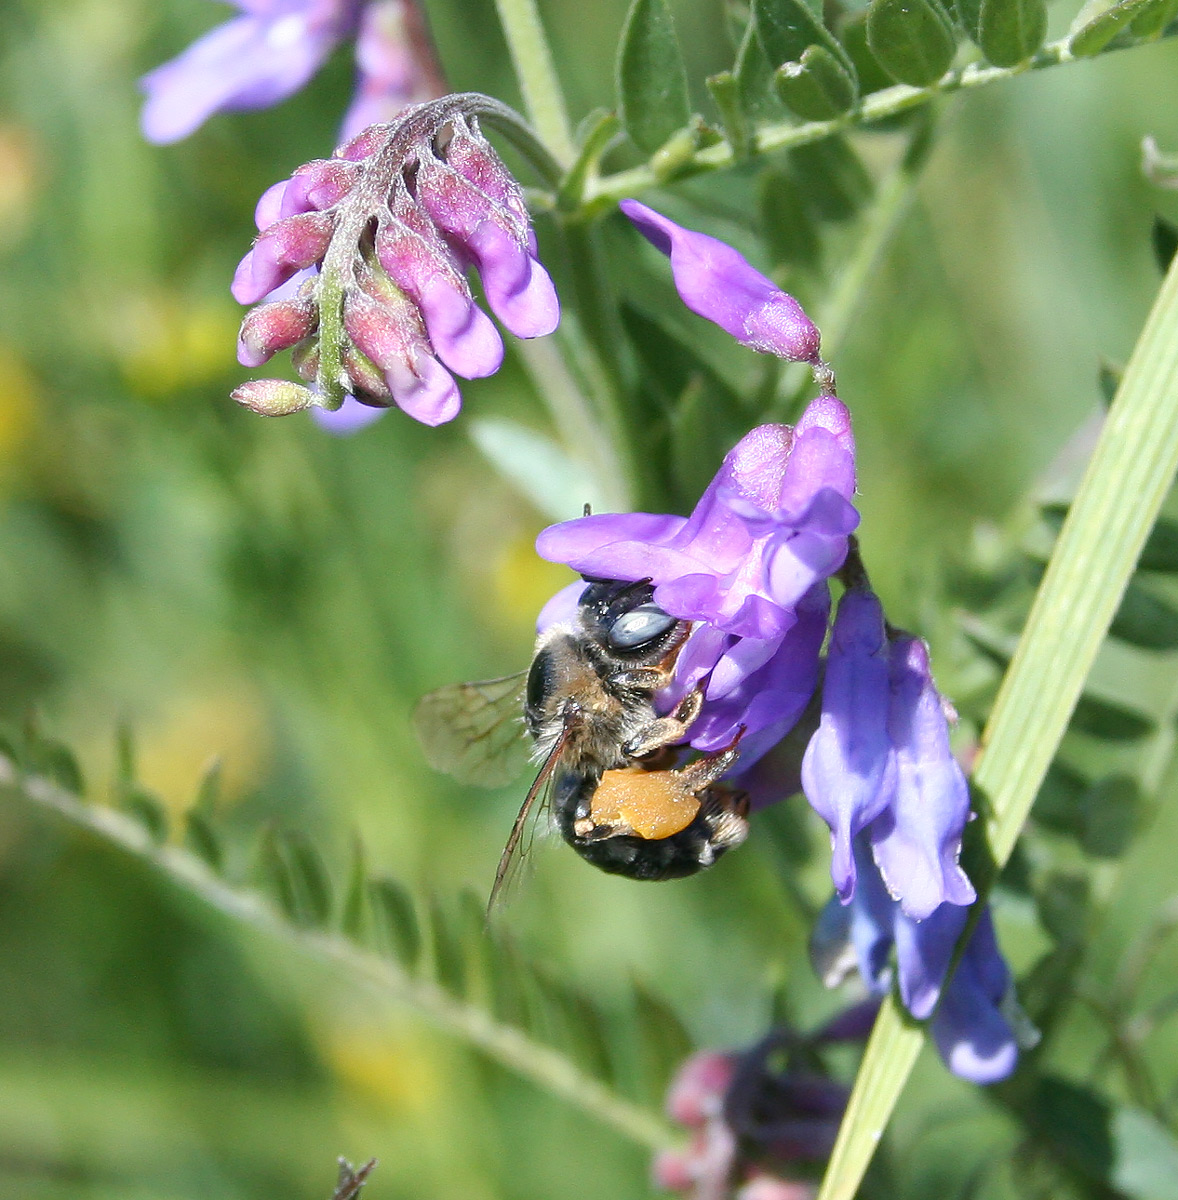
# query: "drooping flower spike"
{"type": "Point", "coordinates": [253, 61]}
{"type": "Point", "coordinates": [385, 230]}
{"type": "Point", "coordinates": [750, 569]}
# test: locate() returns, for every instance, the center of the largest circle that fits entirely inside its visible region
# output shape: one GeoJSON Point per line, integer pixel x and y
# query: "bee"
{"type": "Point", "coordinates": [606, 755]}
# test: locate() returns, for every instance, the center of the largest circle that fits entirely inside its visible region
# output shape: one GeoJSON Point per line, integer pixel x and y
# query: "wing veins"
{"type": "Point", "coordinates": [539, 786]}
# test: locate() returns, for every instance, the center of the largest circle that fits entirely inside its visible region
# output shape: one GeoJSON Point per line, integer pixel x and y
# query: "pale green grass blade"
{"type": "Point", "coordinates": [1115, 508]}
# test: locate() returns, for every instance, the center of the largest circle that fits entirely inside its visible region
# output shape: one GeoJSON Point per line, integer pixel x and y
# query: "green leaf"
{"type": "Point", "coordinates": [535, 465]}
{"type": "Point", "coordinates": [1151, 22]}
{"type": "Point", "coordinates": [663, 1042]}
{"type": "Point", "coordinates": [725, 91]}
{"type": "Point", "coordinates": [1109, 380]}
{"type": "Point", "coordinates": [1145, 620]}
{"type": "Point", "coordinates": [834, 182]}
{"type": "Point", "coordinates": [853, 35]}
{"type": "Point", "coordinates": [56, 761]}
{"type": "Point", "coordinates": [1109, 720]}
{"type": "Point", "coordinates": [1146, 1157]}
{"type": "Point", "coordinates": [394, 911]}
{"type": "Point", "coordinates": [1160, 552]}
{"type": "Point", "coordinates": [1063, 906]}
{"type": "Point", "coordinates": [208, 791]}
{"type": "Point", "coordinates": [597, 132]}
{"type": "Point", "coordinates": [789, 232]}
{"type": "Point", "coordinates": [147, 808]}
{"type": "Point", "coordinates": [912, 39]}
{"type": "Point", "coordinates": [651, 77]}
{"type": "Point", "coordinates": [1161, 547]}
{"type": "Point", "coordinates": [1010, 31]}
{"type": "Point", "coordinates": [787, 28]}
{"type": "Point", "coordinates": [1165, 242]}
{"type": "Point", "coordinates": [1112, 809]}
{"type": "Point", "coordinates": [817, 87]}
{"type": "Point", "coordinates": [202, 840]}
{"type": "Point", "coordinates": [295, 875]}
{"type": "Point", "coordinates": [354, 915]}
{"type": "Point", "coordinates": [1092, 37]}
{"type": "Point", "coordinates": [969, 14]}
{"type": "Point", "coordinates": [124, 755]}
{"type": "Point", "coordinates": [754, 77]}
{"type": "Point", "coordinates": [446, 957]}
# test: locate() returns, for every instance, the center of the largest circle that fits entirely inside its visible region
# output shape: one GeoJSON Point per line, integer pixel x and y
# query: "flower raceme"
{"type": "Point", "coordinates": [750, 569]}
{"type": "Point", "coordinates": [385, 230]}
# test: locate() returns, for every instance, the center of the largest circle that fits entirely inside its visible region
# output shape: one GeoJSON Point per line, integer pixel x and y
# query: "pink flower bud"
{"type": "Point", "coordinates": [697, 1091]}
{"type": "Point", "coordinates": [321, 184]}
{"type": "Point", "coordinates": [364, 144]}
{"type": "Point", "coordinates": [274, 397]}
{"type": "Point", "coordinates": [273, 327]}
{"type": "Point", "coordinates": [285, 247]}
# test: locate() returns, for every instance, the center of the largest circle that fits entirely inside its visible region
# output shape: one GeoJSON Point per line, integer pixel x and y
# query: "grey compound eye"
{"type": "Point", "coordinates": [639, 626]}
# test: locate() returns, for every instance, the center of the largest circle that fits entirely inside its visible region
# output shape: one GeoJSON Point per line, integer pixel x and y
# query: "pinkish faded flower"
{"type": "Point", "coordinates": [385, 313]}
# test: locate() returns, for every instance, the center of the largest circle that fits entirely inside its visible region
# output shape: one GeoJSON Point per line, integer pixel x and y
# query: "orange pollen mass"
{"type": "Point", "coordinates": [651, 804]}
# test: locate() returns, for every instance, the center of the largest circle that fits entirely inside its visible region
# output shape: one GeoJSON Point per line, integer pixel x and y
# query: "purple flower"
{"type": "Point", "coordinates": [880, 759]}
{"type": "Point", "coordinates": [253, 61]}
{"type": "Point", "coordinates": [715, 281]}
{"type": "Point", "coordinates": [773, 523]}
{"type": "Point", "coordinates": [402, 319]}
{"type": "Point", "coordinates": [968, 1022]}
{"type": "Point", "coordinates": [395, 65]}
{"type": "Point", "coordinates": [849, 769]}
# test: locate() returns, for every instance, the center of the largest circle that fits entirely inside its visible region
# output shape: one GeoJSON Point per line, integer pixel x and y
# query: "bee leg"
{"type": "Point", "coordinates": [706, 770]}
{"type": "Point", "coordinates": [665, 730]}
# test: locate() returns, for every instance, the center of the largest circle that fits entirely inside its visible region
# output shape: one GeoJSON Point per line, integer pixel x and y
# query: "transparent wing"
{"type": "Point", "coordinates": [519, 841]}
{"type": "Point", "coordinates": [474, 731]}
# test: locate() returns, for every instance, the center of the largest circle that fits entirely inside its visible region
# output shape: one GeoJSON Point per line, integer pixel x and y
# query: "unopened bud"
{"type": "Point", "coordinates": [273, 327]}
{"type": "Point", "coordinates": [285, 247]}
{"type": "Point", "coordinates": [274, 397]}
{"type": "Point", "coordinates": [320, 184]}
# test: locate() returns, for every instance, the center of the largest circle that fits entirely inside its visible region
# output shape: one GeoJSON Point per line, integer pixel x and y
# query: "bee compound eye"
{"type": "Point", "coordinates": [639, 626]}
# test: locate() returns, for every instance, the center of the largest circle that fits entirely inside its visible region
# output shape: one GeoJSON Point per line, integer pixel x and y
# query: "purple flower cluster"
{"type": "Point", "coordinates": [750, 569]}
{"type": "Point", "coordinates": [273, 49]}
{"type": "Point", "coordinates": [385, 231]}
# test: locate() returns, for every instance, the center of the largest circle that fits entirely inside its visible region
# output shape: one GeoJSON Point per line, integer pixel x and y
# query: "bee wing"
{"type": "Point", "coordinates": [535, 802]}
{"type": "Point", "coordinates": [473, 731]}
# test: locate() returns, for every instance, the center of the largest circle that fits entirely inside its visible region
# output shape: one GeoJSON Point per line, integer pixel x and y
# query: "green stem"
{"type": "Point", "coordinates": [609, 189]}
{"type": "Point", "coordinates": [1117, 503]}
{"type": "Point", "coordinates": [505, 1044]}
{"type": "Point", "coordinates": [537, 77]}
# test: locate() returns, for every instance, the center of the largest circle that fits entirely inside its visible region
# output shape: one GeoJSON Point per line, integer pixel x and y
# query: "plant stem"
{"type": "Point", "coordinates": [1117, 503]}
{"type": "Point", "coordinates": [609, 189]}
{"type": "Point", "coordinates": [536, 73]}
{"type": "Point", "coordinates": [507, 1045]}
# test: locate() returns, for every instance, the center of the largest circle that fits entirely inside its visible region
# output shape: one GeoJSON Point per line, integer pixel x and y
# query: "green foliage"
{"type": "Point", "coordinates": [651, 80]}
{"type": "Point", "coordinates": [911, 39]}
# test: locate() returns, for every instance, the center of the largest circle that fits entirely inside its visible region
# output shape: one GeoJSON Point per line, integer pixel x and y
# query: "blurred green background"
{"type": "Point", "coordinates": [257, 591]}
